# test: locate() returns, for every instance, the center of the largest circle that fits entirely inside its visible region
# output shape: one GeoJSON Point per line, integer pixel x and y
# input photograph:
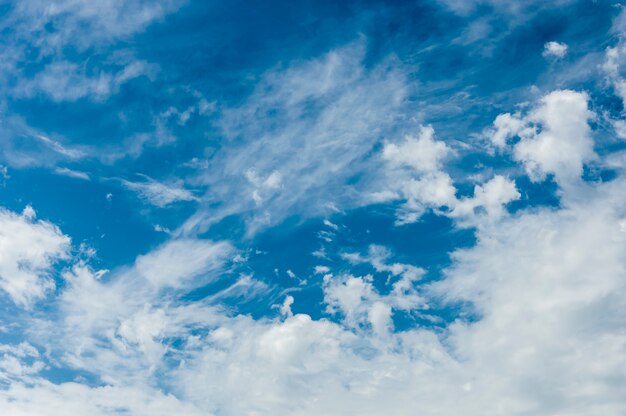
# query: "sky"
{"type": "Point", "coordinates": [361, 207]}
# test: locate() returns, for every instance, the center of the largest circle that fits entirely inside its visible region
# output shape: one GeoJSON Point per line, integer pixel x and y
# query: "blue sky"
{"type": "Point", "coordinates": [312, 208]}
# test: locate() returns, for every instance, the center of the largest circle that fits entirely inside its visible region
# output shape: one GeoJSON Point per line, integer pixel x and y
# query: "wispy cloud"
{"type": "Point", "coordinates": [159, 194]}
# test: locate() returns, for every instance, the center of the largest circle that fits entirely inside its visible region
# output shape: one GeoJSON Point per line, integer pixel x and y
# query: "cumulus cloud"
{"type": "Point", "coordinates": [423, 153]}
{"type": "Point", "coordinates": [28, 248]}
{"type": "Point", "coordinates": [491, 197]}
{"type": "Point", "coordinates": [564, 143]}
{"type": "Point", "coordinates": [416, 176]}
{"type": "Point", "coordinates": [546, 286]}
{"type": "Point", "coordinates": [554, 49]}
{"type": "Point", "coordinates": [534, 319]}
{"type": "Point", "coordinates": [555, 137]}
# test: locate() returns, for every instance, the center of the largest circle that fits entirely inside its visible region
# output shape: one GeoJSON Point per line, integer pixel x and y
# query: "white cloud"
{"type": "Point", "coordinates": [620, 128]}
{"type": "Point", "coordinates": [160, 194]}
{"type": "Point", "coordinates": [70, 153]}
{"type": "Point", "coordinates": [492, 197]}
{"type": "Point", "coordinates": [423, 154]}
{"type": "Point", "coordinates": [47, 30]}
{"type": "Point", "coordinates": [84, 23]}
{"type": "Point", "coordinates": [72, 173]}
{"type": "Point", "coordinates": [564, 143]}
{"type": "Point", "coordinates": [13, 365]}
{"type": "Point", "coordinates": [321, 269]}
{"type": "Point", "coordinates": [177, 261]}
{"type": "Point", "coordinates": [554, 49]}
{"type": "Point", "coordinates": [67, 81]}
{"type": "Point", "coordinates": [290, 149]}
{"type": "Point", "coordinates": [615, 58]}
{"type": "Point", "coordinates": [547, 286]}
{"type": "Point", "coordinates": [357, 300]}
{"type": "Point", "coordinates": [427, 186]}
{"type": "Point", "coordinates": [505, 126]}
{"type": "Point", "coordinates": [555, 137]}
{"type": "Point", "coordinates": [378, 257]}
{"type": "Point", "coordinates": [28, 251]}
{"type": "Point", "coordinates": [47, 399]}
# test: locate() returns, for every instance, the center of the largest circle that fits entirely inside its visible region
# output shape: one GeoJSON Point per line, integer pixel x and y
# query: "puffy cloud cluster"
{"type": "Point", "coordinates": [28, 251]}
{"type": "Point", "coordinates": [546, 287]}
{"type": "Point", "coordinates": [415, 175]}
{"type": "Point", "coordinates": [554, 137]}
{"type": "Point", "coordinates": [541, 295]}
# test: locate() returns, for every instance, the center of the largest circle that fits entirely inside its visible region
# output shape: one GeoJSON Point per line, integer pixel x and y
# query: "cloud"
{"type": "Point", "coordinates": [555, 137]}
{"type": "Point", "coordinates": [491, 197]}
{"type": "Point", "coordinates": [613, 62]}
{"type": "Point", "coordinates": [72, 173]}
{"type": "Point", "coordinates": [423, 154]}
{"type": "Point", "coordinates": [564, 143]}
{"type": "Point", "coordinates": [83, 23]}
{"type": "Point", "coordinates": [303, 132]}
{"type": "Point", "coordinates": [530, 351]}
{"type": "Point", "coordinates": [29, 249]}
{"type": "Point", "coordinates": [415, 175]}
{"type": "Point", "coordinates": [160, 194]}
{"type": "Point", "coordinates": [178, 261]}
{"type": "Point", "coordinates": [59, 148]}
{"type": "Point", "coordinates": [508, 9]}
{"type": "Point", "coordinates": [67, 81]}
{"type": "Point", "coordinates": [533, 319]}
{"type": "Point", "coordinates": [554, 49]}
{"type": "Point", "coordinates": [47, 399]}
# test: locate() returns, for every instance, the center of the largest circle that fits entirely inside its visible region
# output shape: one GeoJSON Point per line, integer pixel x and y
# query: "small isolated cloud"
{"type": "Point", "coordinates": [554, 50]}
{"type": "Point", "coordinates": [160, 194]}
{"type": "Point", "coordinates": [69, 152]}
{"type": "Point", "coordinates": [72, 173]}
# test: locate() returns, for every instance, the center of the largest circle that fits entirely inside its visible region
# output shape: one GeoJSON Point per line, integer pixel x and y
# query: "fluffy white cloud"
{"type": "Point", "coordinates": [505, 126]}
{"type": "Point", "coordinates": [563, 143]}
{"type": "Point", "coordinates": [28, 251]}
{"type": "Point", "coordinates": [554, 49]}
{"type": "Point", "coordinates": [423, 153]}
{"type": "Point", "coordinates": [491, 197]}
{"type": "Point", "coordinates": [47, 399]}
{"type": "Point", "coordinates": [546, 285]}
{"type": "Point", "coordinates": [427, 186]}
{"type": "Point", "coordinates": [555, 137]}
